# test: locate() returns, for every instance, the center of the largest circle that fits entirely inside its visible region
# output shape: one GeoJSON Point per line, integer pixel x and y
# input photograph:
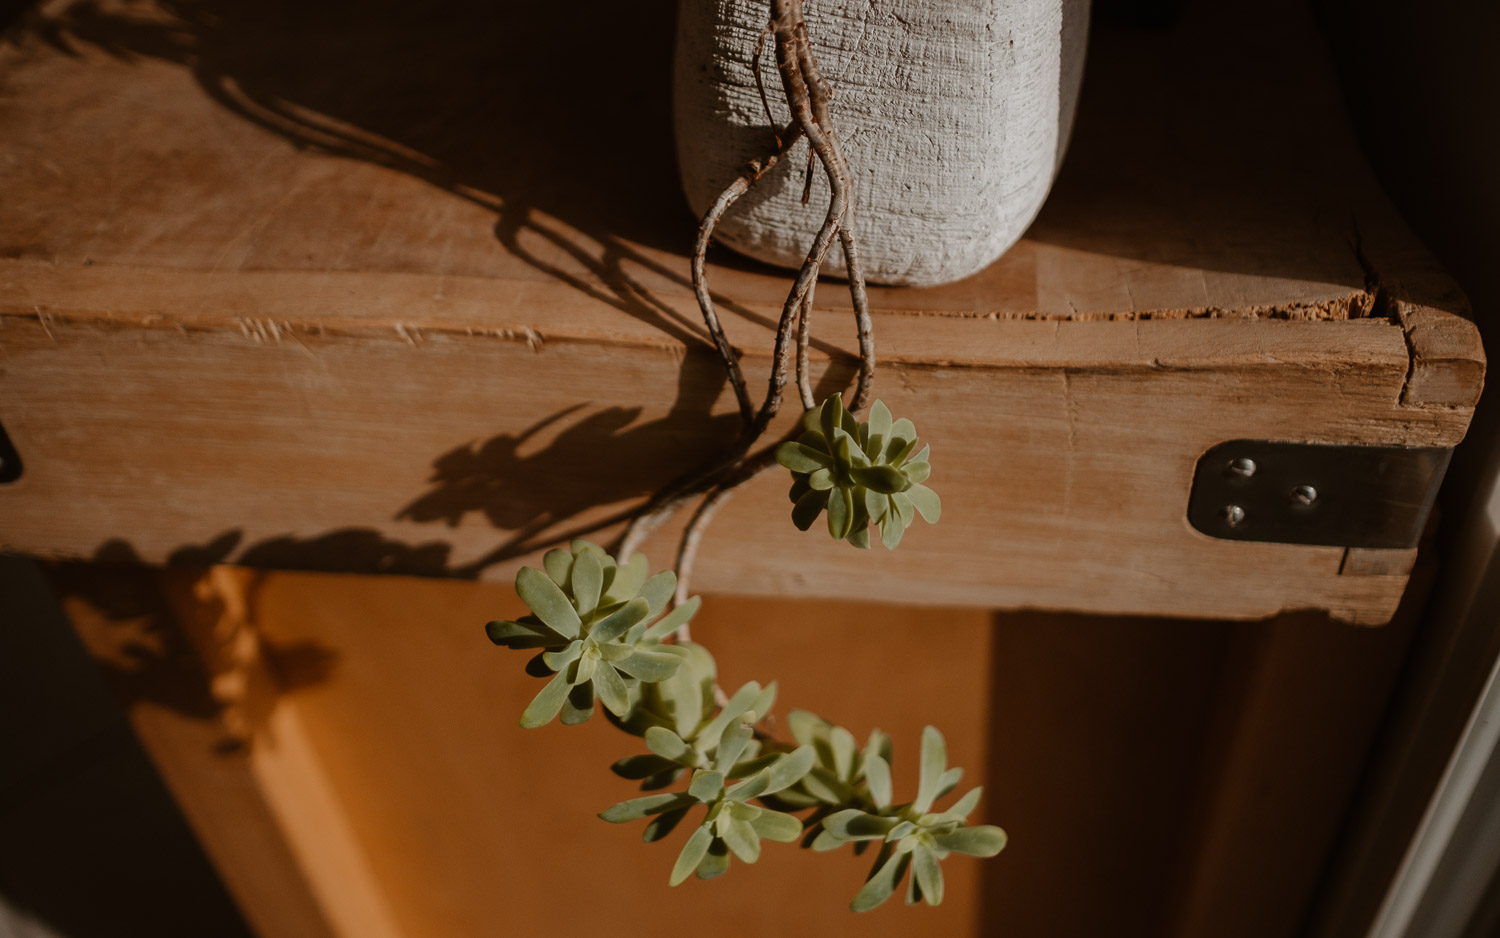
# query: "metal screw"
{"type": "Point", "coordinates": [1304, 495]}
{"type": "Point", "coordinates": [1232, 515]}
{"type": "Point", "coordinates": [1242, 466]}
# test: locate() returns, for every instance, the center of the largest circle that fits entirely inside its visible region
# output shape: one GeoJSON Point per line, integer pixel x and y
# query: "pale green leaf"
{"type": "Point", "coordinates": [547, 601]}
{"type": "Point", "coordinates": [806, 726]}
{"type": "Point", "coordinates": [581, 671]}
{"type": "Point", "coordinates": [901, 829]}
{"type": "Point", "coordinates": [658, 590]}
{"type": "Point", "coordinates": [579, 705]}
{"type": "Point", "coordinates": [588, 582]}
{"type": "Point", "coordinates": [799, 457]}
{"type": "Point", "coordinates": [928, 875]}
{"type": "Point", "coordinates": [879, 419]}
{"type": "Point", "coordinates": [820, 481]}
{"type": "Point", "coordinates": [840, 514]}
{"type": "Point", "coordinates": [949, 781]}
{"type": "Point", "coordinates": [650, 665]}
{"type": "Point", "coordinates": [618, 622]}
{"type": "Point", "coordinates": [983, 841]}
{"type": "Point", "coordinates": [853, 824]}
{"type": "Point", "coordinates": [738, 705]}
{"type": "Point", "coordinates": [826, 841]}
{"type": "Point", "coordinates": [880, 885]}
{"type": "Point", "coordinates": [821, 784]}
{"type": "Point", "coordinates": [963, 806]}
{"type": "Point", "coordinates": [559, 565]}
{"type": "Point", "coordinates": [742, 840]}
{"type": "Point", "coordinates": [891, 530]}
{"type": "Point", "coordinates": [706, 785]}
{"type": "Point", "coordinates": [831, 417]}
{"type": "Point", "coordinates": [917, 471]}
{"type": "Point", "coordinates": [669, 745]}
{"type": "Point", "coordinates": [687, 695]}
{"type": "Point", "coordinates": [934, 762]}
{"type": "Point", "coordinates": [692, 854]}
{"type": "Point", "coordinates": [637, 808]}
{"type": "Point", "coordinates": [715, 862]}
{"type": "Point", "coordinates": [789, 769]}
{"type": "Point", "coordinates": [627, 580]}
{"type": "Point", "coordinates": [843, 744]}
{"type": "Point", "coordinates": [903, 505]}
{"type": "Point", "coordinates": [927, 503]}
{"type": "Point", "coordinates": [883, 479]}
{"type": "Point", "coordinates": [878, 778]}
{"type": "Point", "coordinates": [614, 651]}
{"type": "Point", "coordinates": [776, 826]}
{"type": "Point", "coordinates": [612, 690]}
{"type": "Point", "coordinates": [731, 744]}
{"type": "Point", "coordinates": [673, 620]}
{"type": "Point", "coordinates": [544, 705]}
{"type": "Point", "coordinates": [764, 701]}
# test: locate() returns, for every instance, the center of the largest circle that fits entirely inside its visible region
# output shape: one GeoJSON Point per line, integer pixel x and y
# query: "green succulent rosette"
{"type": "Point", "coordinates": [860, 472]}
{"type": "Point", "coordinates": [683, 736]}
{"type": "Point", "coordinates": [598, 625]}
{"type": "Point", "coordinates": [911, 836]}
{"type": "Point", "coordinates": [731, 824]}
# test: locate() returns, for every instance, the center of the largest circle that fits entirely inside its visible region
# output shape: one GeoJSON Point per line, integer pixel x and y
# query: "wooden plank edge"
{"type": "Point", "coordinates": [214, 610]}
{"type": "Point", "coordinates": [1447, 358]}
{"type": "Point", "coordinates": [274, 307]}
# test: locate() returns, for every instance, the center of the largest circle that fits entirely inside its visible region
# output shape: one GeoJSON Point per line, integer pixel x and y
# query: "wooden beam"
{"type": "Point", "coordinates": [395, 340]}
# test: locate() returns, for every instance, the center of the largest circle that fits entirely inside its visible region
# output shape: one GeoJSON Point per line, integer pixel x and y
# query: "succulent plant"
{"type": "Point", "coordinates": [680, 745]}
{"type": "Point", "coordinates": [837, 777]}
{"type": "Point", "coordinates": [862, 473]}
{"type": "Point", "coordinates": [911, 835]}
{"type": "Point", "coordinates": [593, 619]}
{"type": "Point", "coordinates": [731, 825]}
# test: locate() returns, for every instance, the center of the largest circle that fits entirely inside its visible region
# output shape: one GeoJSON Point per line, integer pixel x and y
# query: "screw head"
{"type": "Point", "coordinates": [1242, 466]}
{"type": "Point", "coordinates": [1232, 515]}
{"type": "Point", "coordinates": [1304, 495]}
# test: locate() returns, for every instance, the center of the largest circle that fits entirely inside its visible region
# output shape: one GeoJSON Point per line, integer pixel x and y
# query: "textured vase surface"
{"type": "Point", "coordinates": [953, 115]}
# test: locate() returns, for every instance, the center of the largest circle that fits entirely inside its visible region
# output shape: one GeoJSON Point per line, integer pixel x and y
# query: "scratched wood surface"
{"type": "Point", "coordinates": [367, 288]}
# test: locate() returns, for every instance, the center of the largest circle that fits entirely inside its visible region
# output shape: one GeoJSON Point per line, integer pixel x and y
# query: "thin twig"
{"type": "Point", "coordinates": [804, 331]}
{"type": "Point", "coordinates": [741, 184]}
{"type": "Point", "coordinates": [807, 95]}
{"type": "Point", "coordinates": [692, 537]}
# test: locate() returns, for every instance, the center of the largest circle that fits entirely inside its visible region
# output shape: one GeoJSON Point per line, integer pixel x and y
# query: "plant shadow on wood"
{"type": "Point", "coordinates": [145, 654]}
{"type": "Point", "coordinates": [571, 152]}
{"type": "Point", "coordinates": [563, 132]}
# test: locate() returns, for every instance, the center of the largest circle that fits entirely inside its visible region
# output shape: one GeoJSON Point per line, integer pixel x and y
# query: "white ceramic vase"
{"type": "Point", "coordinates": [954, 115]}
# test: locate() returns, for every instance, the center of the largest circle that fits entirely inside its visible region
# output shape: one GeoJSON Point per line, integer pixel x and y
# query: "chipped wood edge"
{"type": "Point", "coordinates": [1447, 358]}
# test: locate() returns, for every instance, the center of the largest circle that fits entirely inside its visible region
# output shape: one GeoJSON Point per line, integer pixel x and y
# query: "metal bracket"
{"type": "Point", "coordinates": [1316, 493]}
{"type": "Point", "coordinates": [10, 460]}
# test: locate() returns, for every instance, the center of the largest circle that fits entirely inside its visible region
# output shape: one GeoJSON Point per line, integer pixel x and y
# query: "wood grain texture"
{"type": "Point", "coordinates": [474, 826]}
{"type": "Point", "coordinates": [309, 303]}
{"type": "Point", "coordinates": [1186, 777]}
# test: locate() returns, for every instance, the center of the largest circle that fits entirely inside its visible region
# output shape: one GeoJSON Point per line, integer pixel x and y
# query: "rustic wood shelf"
{"type": "Point", "coordinates": [365, 290]}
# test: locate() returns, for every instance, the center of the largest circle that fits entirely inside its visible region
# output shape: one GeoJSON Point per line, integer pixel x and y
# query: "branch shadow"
{"type": "Point", "coordinates": [563, 133]}
{"type": "Point", "coordinates": [146, 657]}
